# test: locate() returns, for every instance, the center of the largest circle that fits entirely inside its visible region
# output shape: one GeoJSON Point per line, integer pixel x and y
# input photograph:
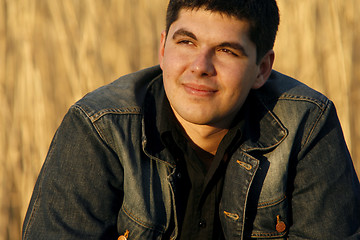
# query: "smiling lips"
{"type": "Point", "coordinates": [199, 90]}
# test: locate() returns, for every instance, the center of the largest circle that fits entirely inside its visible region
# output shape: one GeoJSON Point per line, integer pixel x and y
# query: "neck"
{"type": "Point", "coordinates": [205, 137]}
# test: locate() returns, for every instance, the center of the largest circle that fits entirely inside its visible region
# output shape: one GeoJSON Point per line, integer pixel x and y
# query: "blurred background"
{"type": "Point", "coordinates": [54, 52]}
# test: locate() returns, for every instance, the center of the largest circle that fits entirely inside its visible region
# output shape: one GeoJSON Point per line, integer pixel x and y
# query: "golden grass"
{"type": "Point", "coordinates": [53, 52]}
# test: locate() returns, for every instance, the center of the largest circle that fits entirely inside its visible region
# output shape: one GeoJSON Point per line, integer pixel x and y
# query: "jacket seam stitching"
{"type": "Point", "coordinates": [32, 215]}
{"type": "Point", "coordinates": [37, 199]}
{"type": "Point", "coordinates": [247, 192]}
{"type": "Point", "coordinates": [94, 125]}
{"type": "Point", "coordinates": [271, 203]}
{"type": "Point", "coordinates": [128, 111]}
{"type": "Point", "coordinates": [314, 126]}
{"type": "Point", "coordinates": [321, 104]}
{"type": "Point", "coordinates": [268, 234]}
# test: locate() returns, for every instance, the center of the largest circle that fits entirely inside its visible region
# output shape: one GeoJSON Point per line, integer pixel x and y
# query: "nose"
{"type": "Point", "coordinates": [203, 64]}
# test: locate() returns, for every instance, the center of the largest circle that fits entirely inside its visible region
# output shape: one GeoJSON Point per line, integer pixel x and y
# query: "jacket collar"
{"type": "Point", "coordinates": [263, 130]}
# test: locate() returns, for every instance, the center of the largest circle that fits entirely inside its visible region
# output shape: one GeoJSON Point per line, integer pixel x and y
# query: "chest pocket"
{"type": "Point", "coordinates": [146, 209]}
{"type": "Point", "coordinates": [268, 220]}
{"type": "Point", "coordinates": [137, 228]}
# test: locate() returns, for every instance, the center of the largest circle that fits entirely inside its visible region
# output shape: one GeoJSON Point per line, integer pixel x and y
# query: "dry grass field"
{"type": "Point", "coordinates": [53, 52]}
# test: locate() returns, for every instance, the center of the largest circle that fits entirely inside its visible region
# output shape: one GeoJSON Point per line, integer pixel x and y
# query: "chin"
{"type": "Point", "coordinates": [200, 119]}
{"type": "Point", "coordinates": [195, 118]}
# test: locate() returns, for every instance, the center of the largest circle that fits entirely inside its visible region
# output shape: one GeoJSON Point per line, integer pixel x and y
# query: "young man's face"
{"type": "Point", "coordinates": [209, 66]}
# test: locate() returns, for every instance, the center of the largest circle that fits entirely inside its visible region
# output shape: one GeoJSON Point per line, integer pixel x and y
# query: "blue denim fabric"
{"type": "Point", "coordinates": [106, 171]}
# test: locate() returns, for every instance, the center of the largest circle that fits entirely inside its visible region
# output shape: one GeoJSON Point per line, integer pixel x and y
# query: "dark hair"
{"type": "Point", "coordinates": [262, 15]}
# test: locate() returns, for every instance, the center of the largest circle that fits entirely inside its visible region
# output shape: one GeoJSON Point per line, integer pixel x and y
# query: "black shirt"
{"type": "Point", "coordinates": [200, 176]}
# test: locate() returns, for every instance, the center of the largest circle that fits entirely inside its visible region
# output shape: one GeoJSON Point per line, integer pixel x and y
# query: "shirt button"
{"type": "Point", "coordinates": [178, 175]}
{"type": "Point", "coordinates": [202, 223]}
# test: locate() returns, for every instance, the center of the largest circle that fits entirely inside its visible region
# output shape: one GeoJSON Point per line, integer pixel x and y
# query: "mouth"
{"type": "Point", "coordinates": [199, 90]}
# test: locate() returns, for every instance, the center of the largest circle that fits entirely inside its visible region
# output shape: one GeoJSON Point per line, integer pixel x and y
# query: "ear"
{"type": "Point", "coordinates": [162, 48]}
{"type": "Point", "coordinates": [265, 68]}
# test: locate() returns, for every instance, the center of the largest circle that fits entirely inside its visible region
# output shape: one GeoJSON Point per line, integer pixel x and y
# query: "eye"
{"type": "Point", "coordinates": [185, 42]}
{"type": "Point", "coordinates": [228, 51]}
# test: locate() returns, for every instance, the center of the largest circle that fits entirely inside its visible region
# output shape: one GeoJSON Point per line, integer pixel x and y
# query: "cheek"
{"type": "Point", "coordinates": [170, 83]}
{"type": "Point", "coordinates": [237, 84]}
{"type": "Point", "coordinates": [173, 69]}
{"type": "Point", "coordinates": [175, 57]}
{"type": "Point", "coordinates": [169, 65]}
{"type": "Point", "coordinates": [233, 79]}
{"type": "Point", "coordinates": [243, 78]}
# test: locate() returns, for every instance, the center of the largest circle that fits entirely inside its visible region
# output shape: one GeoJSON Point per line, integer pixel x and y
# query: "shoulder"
{"type": "Point", "coordinates": [124, 95]}
{"type": "Point", "coordinates": [282, 87]}
{"type": "Point", "coordinates": [293, 104]}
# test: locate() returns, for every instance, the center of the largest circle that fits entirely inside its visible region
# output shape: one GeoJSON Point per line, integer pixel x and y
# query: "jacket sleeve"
{"type": "Point", "coordinates": [325, 198]}
{"type": "Point", "coordinates": [79, 190]}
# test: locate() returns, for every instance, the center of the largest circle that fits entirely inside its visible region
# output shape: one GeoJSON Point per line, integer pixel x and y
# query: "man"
{"type": "Point", "coordinates": [213, 144]}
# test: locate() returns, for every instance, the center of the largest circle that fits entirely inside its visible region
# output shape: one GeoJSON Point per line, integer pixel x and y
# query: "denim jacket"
{"type": "Point", "coordinates": [106, 173]}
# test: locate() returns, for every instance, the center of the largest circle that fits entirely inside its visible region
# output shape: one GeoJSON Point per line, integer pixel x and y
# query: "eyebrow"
{"type": "Point", "coordinates": [183, 32]}
{"type": "Point", "coordinates": [236, 46]}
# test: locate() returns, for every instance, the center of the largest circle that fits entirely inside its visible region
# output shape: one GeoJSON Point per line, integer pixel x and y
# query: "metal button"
{"type": "Point", "coordinates": [202, 223]}
{"type": "Point", "coordinates": [125, 236]}
{"type": "Point", "coordinates": [280, 225]}
{"type": "Point", "coordinates": [178, 175]}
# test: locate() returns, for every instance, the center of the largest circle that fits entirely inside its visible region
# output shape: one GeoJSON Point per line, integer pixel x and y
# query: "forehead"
{"type": "Point", "coordinates": [210, 24]}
